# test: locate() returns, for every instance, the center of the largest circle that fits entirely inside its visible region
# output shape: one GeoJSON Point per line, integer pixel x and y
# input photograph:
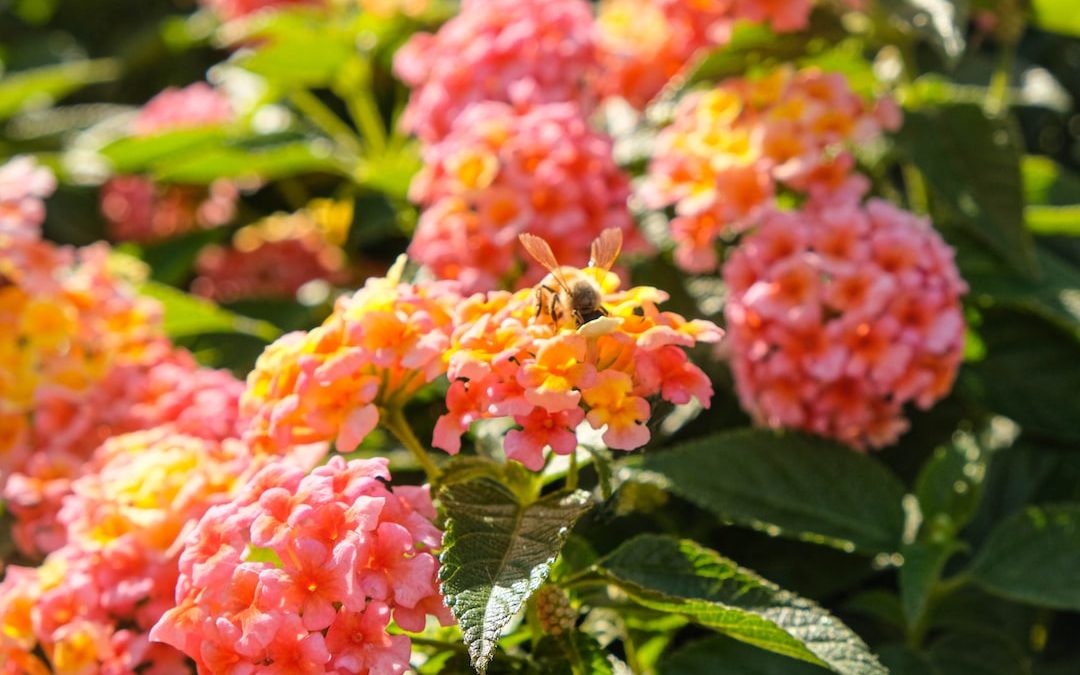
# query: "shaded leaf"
{"type": "Point", "coordinates": [973, 654]}
{"type": "Point", "coordinates": [685, 578]}
{"type": "Point", "coordinates": [942, 23]}
{"type": "Point", "coordinates": [922, 568]}
{"type": "Point", "coordinates": [572, 653]}
{"type": "Point", "coordinates": [40, 87]}
{"type": "Point", "coordinates": [720, 655]}
{"type": "Point", "coordinates": [1034, 557]}
{"type": "Point", "coordinates": [950, 485]}
{"type": "Point", "coordinates": [496, 553]}
{"type": "Point", "coordinates": [806, 487]}
{"type": "Point", "coordinates": [972, 164]}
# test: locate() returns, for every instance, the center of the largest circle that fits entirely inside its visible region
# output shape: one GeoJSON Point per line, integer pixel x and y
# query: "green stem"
{"type": "Point", "coordinates": [942, 588]}
{"type": "Point", "coordinates": [394, 421]}
{"type": "Point", "coordinates": [326, 120]}
{"type": "Point", "coordinates": [997, 101]}
{"type": "Point", "coordinates": [572, 476]}
{"type": "Point", "coordinates": [368, 119]}
{"type": "Point", "coordinates": [918, 197]}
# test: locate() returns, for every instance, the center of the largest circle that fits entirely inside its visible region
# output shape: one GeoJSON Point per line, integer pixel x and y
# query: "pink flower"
{"type": "Point", "coordinates": [522, 52]}
{"type": "Point", "coordinates": [342, 559]}
{"type": "Point", "coordinates": [839, 316]}
{"type": "Point", "coordinates": [195, 105]}
{"type": "Point", "coordinates": [230, 10]}
{"type": "Point", "coordinates": [23, 187]}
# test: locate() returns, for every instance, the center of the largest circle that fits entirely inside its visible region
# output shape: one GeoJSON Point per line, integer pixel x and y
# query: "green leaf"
{"type": "Point", "coordinates": [974, 654]}
{"type": "Point", "coordinates": [256, 158]}
{"type": "Point", "coordinates": [306, 59]}
{"type": "Point", "coordinates": [922, 568]}
{"type": "Point", "coordinates": [720, 655]}
{"type": "Point", "coordinates": [972, 164]}
{"type": "Point", "coordinates": [187, 315]}
{"type": "Point", "coordinates": [1053, 220]}
{"type": "Point", "coordinates": [1030, 374]}
{"type": "Point", "coordinates": [41, 87]}
{"type": "Point", "coordinates": [136, 154]}
{"type": "Point", "coordinates": [1048, 183]}
{"type": "Point", "coordinates": [950, 485]}
{"type": "Point", "coordinates": [1058, 16]}
{"type": "Point", "coordinates": [496, 553]}
{"type": "Point", "coordinates": [801, 486]}
{"type": "Point", "coordinates": [682, 577]}
{"type": "Point", "coordinates": [903, 660]}
{"type": "Point", "coordinates": [942, 23]}
{"type": "Point", "coordinates": [572, 653]}
{"type": "Point", "coordinates": [1034, 557]}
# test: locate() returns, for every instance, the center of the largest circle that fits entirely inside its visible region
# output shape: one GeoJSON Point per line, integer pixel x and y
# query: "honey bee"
{"type": "Point", "coordinates": [566, 289]}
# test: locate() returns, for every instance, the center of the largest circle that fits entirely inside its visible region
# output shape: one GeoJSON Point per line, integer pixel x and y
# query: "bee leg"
{"type": "Point", "coordinates": [554, 309]}
{"type": "Point", "coordinates": [540, 300]}
{"type": "Point", "coordinates": [603, 311]}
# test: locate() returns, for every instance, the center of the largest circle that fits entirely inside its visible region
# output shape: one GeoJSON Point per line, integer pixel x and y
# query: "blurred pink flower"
{"type": "Point", "coordinates": [195, 105]}
{"type": "Point", "coordinates": [839, 316]}
{"type": "Point", "coordinates": [23, 188]}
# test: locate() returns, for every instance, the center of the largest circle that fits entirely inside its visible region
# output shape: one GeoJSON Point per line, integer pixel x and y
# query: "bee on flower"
{"type": "Point", "coordinates": [573, 349]}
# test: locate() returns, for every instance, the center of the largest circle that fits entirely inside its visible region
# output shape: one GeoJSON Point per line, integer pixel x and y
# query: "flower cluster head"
{"type": "Point", "coordinates": [90, 605]}
{"type": "Point", "coordinates": [138, 209]}
{"type": "Point", "coordinates": [839, 316]}
{"type": "Point", "coordinates": [522, 52]}
{"type": "Point", "coordinates": [642, 44]}
{"type": "Point", "coordinates": [277, 256]}
{"type": "Point", "coordinates": [303, 574]}
{"type": "Point", "coordinates": [164, 388]}
{"type": "Point", "coordinates": [23, 186]}
{"type": "Point", "coordinates": [732, 147]}
{"type": "Point", "coordinates": [376, 350]}
{"type": "Point", "coordinates": [523, 356]}
{"type": "Point", "coordinates": [502, 172]}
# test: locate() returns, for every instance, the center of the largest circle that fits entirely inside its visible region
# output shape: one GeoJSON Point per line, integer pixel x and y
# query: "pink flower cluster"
{"type": "Point", "coordinates": [23, 186]}
{"type": "Point", "coordinates": [521, 52]}
{"type": "Point", "coordinates": [88, 608]}
{"type": "Point", "coordinates": [507, 361]}
{"type": "Point", "coordinates": [164, 389]}
{"type": "Point", "coordinates": [839, 316]}
{"type": "Point", "coordinates": [302, 574]}
{"type": "Point", "coordinates": [273, 258]}
{"type": "Point", "coordinates": [500, 173]}
{"type": "Point", "coordinates": [732, 147]}
{"type": "Point", "coordinates": [378, 348]}
{"type": "Point", "coordinates": [643, 44]}
{"type": "Point", "coordinates": [138, 209]}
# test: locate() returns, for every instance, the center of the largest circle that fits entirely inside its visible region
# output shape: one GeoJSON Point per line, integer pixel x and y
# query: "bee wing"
{"type": "Point", "coordinates": [606, 249]}
{"type": "Point", "coordinates": [541, 251]}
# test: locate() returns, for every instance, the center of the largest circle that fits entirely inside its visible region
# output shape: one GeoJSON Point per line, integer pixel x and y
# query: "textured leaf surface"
{"type": "Point", "coordinates": [808, 488]}
{"type": "Point", "coordinates": [683, 577]}
{"type": "Point", "coordinates": [1034, 557]}
{"type": "Point", "coordinates": [496, 553]}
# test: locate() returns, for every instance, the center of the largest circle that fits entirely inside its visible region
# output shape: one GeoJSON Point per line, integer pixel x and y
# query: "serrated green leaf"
{"type": "Point", "coordinates": [1058, 16]}
{"type": "Point", "coordinates": [972, 164]}
{"type": "Point", "coordinates": [1034, 557]}
{"type": "Point", "coordinates": [40, 87]}
{"type": "Point", "coordinates": [805, 487]}
{"type": "Point", "coordinates": [720, 655]}
{"type": "Point", "coordinates": [496, 553]}
{"type": "Point", "coordinates": [187, 315]}
{"type": "Point", "coordinates": [685, 578]}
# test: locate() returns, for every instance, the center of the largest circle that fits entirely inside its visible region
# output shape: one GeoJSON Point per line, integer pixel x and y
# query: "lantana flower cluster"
{"type": "Point", "coordinates": [23, 186]}
{"type": "Point", "coordinates": [136, 208]}
{"type": "Point", "coordinates": [376, 350]}
{"type": "Point", "coordinates": [91, 603]}
{"type": "Point", "coordinates": [509, 361]}
{"type": "Point", "coordinates": [730, 148]}
{"type": "Point", "coordinates": [500, 173]}
{"type": "Point", "coordinates": [840, 315]}
{"type": "Point", "coordinates": [302, 574]}
{"type": "Point", "coordinates": [643, 44]}
{"type": "Point", "coordinates": [164, 389]}
{"type": "Point", "coordinates": [520, 52]}
{"type": "Point", "coordinates": [277, 256]}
